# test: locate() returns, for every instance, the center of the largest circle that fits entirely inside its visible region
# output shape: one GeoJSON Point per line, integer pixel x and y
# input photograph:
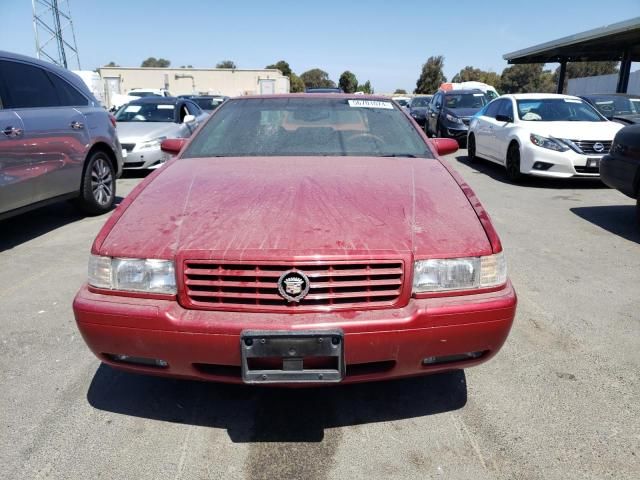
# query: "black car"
{"type": "Point", "coordinates": [619, 107]}
{"type": "Point", "coordinates": [209, 103]}
{"type": "Point", "coordinates": [418, 108]}
{"type": "Point", "coordinates": [620, 169]}
{"type": "Point", "coordinates": [449, 113]}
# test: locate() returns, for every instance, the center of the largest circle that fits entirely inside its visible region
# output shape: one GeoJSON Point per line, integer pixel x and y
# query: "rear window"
{"type": "Point", "coordinates": [308, 127]}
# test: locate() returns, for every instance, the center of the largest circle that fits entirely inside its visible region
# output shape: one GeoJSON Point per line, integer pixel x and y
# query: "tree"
{"type": "Point", "coordinates": [295, 83]}
{"type": "Point", "coordinates": [586, 69]}
{"type": "Point", "coordinates": [471, 74]}
{"type": "Point", "coordinates": [156, 62]}
{"type": "Point", "coordinates": [283, 67]}
{"type": "Point", "coordinates": [226, 64]}
{"type": "Point", "coordinates": [526, 78]}
{"type": "Point", "coordinates": [431, 76]}
{"type": "Point", "coordinates": [348, 82]}
{"type": "Point", "coordinates": [400, 91]}
{"type": "Point", "coordinates": [366, 87]}
{"type": "Point", "coordinates": [112, 64]}
{"type": "Point", "coordinates": [316, 78]}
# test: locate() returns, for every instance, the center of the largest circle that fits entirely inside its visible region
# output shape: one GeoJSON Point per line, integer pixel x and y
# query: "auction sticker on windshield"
{"type": "Point", "coordinates": [370, 104]}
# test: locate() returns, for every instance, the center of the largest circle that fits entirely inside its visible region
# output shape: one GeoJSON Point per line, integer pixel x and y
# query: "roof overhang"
{"type": "Point", "coordinates": [605, 43]}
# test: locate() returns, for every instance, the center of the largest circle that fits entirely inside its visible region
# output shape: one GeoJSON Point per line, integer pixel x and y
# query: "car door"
{"type": "Point", "coordinates": [433, 111]}
{"type": "Point", "coordinates": [55, 135]}
{"type": "Point", "coordinates": [483, 130]}
{"type": "Point", "coordinates": [502, 129]}
{"type": "Point", "coordinates": [491, 125]}
{"type": "Point", "coordinates": [16, 182]}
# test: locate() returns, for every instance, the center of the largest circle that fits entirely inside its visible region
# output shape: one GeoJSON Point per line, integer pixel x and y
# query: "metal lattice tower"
{"type": "Point", "coordinates": [55, 38]}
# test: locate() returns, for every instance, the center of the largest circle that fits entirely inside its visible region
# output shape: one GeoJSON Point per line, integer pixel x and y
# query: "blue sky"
{"type": "Point", "coordinates": [381, 41]}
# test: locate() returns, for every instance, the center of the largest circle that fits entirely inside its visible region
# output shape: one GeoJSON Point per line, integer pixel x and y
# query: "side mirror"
{"type": "Point", "coordinates": [504, 118]}
{"type": "Point", "coordinates": [444, 146]}
{"type": "Point", "coordinates": [173, 145]}
{"type": "Point", "coordinates": [189, 119]}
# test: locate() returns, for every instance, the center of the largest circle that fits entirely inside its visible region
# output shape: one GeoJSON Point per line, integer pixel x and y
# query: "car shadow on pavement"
{"type": "Point", "coordinates": [30, 225]}
{"type": "Point", "coordinates": [262, 414]}
{"type": "Point", "coordinates": [497, 172]}
{"type": "Point", "coordinates": [618, 219]}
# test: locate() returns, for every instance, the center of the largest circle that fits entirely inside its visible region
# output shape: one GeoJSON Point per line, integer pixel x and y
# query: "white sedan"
{"type": "Point", "coordinates": [543, 134]}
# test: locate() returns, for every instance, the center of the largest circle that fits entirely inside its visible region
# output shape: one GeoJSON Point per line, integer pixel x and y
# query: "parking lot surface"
{"type": "Point", "coordinates": [560, 401]}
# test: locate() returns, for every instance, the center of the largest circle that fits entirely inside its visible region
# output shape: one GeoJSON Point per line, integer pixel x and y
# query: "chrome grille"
{"type": "Point", "coordinates": [128, 146]}
{"type": "Point", "coordinates": [332, 285]}
{"type": "Point", "coordinates": [587, 146]}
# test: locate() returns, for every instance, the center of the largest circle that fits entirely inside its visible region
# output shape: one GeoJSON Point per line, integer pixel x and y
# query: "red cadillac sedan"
{"type": "Point", "coordinates": [299, 239]}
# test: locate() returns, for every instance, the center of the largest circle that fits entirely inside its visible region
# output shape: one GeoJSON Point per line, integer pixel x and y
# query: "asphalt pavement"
{"type": "Point", "coordinates": [560, 401]}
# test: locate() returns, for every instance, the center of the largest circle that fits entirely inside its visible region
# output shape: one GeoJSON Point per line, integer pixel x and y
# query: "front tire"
{"type": "Point", "coordinates": [513, 164]}
{"type": "Point", "coordinates": [98, 190]}
{"type": "Point", "coordinates": [471, 149]}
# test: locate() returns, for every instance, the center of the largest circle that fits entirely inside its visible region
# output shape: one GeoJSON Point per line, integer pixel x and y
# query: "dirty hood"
{"type": "Point", "coordinates": [235, 208]}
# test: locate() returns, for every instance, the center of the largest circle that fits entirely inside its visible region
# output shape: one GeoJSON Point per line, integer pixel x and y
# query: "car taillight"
{"type": "Point", "coordinates": [113, 120]}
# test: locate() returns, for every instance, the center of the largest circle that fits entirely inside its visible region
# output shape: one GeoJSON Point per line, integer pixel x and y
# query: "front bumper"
{"type": "Point", "coordinates": [378, 344]}
{"type": "Point", "coordinates": [562, 164]}
{"type": "Point", "coordinates": [149, 158]}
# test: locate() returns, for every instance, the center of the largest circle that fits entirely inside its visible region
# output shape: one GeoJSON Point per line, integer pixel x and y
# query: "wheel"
{"type": "Point", "coordinates": [98, 190]}
{"type": "Point", "coordinates": [513, 164]}
{"type": "Point", "coordinates": [471, 149]}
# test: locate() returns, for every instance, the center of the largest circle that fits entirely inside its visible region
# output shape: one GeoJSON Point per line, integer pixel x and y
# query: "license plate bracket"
{"type": "Point", "coordinates": [285, 352]}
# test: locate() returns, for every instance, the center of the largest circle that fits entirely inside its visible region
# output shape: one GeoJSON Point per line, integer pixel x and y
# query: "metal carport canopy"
{"type": "Point", "coordinates": [618, 41]}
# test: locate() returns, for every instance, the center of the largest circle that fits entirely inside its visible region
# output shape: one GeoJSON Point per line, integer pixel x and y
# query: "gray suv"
{"type": "Point", "coordinates": [56, 141]}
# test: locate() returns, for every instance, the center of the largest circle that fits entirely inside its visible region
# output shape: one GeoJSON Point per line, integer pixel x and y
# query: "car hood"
{"type": "Point", "coordinates": [132, 132]}
{"type": "Point", "coordinates": [575, 130]}
{"type": "Point", "coordinates": [462, 112]}
{"type": "Point", "coordinates": [235, 208]}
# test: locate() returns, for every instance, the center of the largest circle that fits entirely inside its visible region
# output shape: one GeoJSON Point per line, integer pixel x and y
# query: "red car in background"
{"type": "Point", "coordinates": [299, 239]}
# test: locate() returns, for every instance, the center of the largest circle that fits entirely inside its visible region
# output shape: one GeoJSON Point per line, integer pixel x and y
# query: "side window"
{"type": "Point", "coordinates": [506, 108]}
{"type": "Point", "coordinates": [69, 96]}
{"type": "Point", "coordinates": [27, 86]}
{"type": "Point", "coordinates": [193, 109]}
{"type": "Point", "coordinates": [492, 108]}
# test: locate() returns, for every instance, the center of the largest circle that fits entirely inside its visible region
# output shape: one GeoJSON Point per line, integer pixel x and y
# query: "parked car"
{"type": "Point", "coordinates": [209, 103]}
{"type": "Point", "coordinates": [417, 108]}
{"type": "Point", "coordinates": [620, 168]}
{"type": "Point", "coordinates": [489, 91]}
{"type": "Point", "coordinates": [56, 142]}
{"type": "Point", "coordinates": [402, 101]}
{"type": "Point", "coordinates": [619, 107]}
{"type": "Point", "coordinates": [543, 134]}
{"type": "Point", "coordinates": [143, 124]}
{"type": "Point", "coordinates": [308, 239]}
{"type": "Point", "coordinates": [449, 113]}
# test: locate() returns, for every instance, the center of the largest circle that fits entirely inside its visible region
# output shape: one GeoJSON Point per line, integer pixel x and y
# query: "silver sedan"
{"type": "Point", "coordinates": [143, 124]}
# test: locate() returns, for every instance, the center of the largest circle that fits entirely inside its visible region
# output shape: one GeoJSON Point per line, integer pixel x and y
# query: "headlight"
{"type": "Point", "coordinates": [550, 143]}
{"type": "Point", "coordinates": [132, 274]}
{"type": "Point", "coordinates": [438, 275]}
{"type": "Point", "coordinates": [453, 118]}
{"type": "Point", "coordinates": [155, 143]}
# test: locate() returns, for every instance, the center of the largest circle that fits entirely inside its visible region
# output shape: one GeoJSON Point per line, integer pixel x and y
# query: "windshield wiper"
{"type": "Point", "coordinates": [407, 155]}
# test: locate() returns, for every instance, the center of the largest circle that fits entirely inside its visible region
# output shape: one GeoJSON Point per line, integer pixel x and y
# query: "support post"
{"type": "Point", "coordinates": [625, 71]}
{"type": "Point", "coordinates": [561, 75]}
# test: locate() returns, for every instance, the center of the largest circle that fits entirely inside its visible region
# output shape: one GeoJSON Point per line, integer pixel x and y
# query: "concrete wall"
{"type": "Point", "coordinates": [212, 80]}
{"type": "Point", "coordinates": [602, 84]}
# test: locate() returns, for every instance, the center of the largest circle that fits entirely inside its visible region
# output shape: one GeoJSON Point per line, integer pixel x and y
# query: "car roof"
{"type": "Point", "coordinates": [538, 96]}
{"type": "Point", "coordinates": [68, 75]}
{"type": "Point", "coordinates": [465, 91]}
{"type": "Point", "coordinates": [158, 100]}
{"type": "Point", "coordinates": [331, 96]}
{"type": "Point", "coordinates": [626, 95]}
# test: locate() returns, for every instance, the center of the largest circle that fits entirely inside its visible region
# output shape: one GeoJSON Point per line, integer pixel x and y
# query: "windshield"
{"type": "Point", "coordinates": [616, 105]}
{"type": "Point", "coordinates": [464, 100]}
{"type": "Point", "coordinates": [557, 110]}
{"type": "Point", "coordinates": [307, 127]}
{"type": "Point", "coordinates": [420, 102]}
{"type": "Point", "coordinates": [490, 94]}
{"type": "Point", "coordinates": [148, 112]}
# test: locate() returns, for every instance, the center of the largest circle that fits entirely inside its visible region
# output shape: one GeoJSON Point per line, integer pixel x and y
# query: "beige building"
{"type": "Point", "coordinates": [179, 81]}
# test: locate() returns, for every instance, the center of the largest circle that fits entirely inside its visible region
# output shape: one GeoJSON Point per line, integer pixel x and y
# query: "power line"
{"type": "Point", "coordinates": [55, 37]}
